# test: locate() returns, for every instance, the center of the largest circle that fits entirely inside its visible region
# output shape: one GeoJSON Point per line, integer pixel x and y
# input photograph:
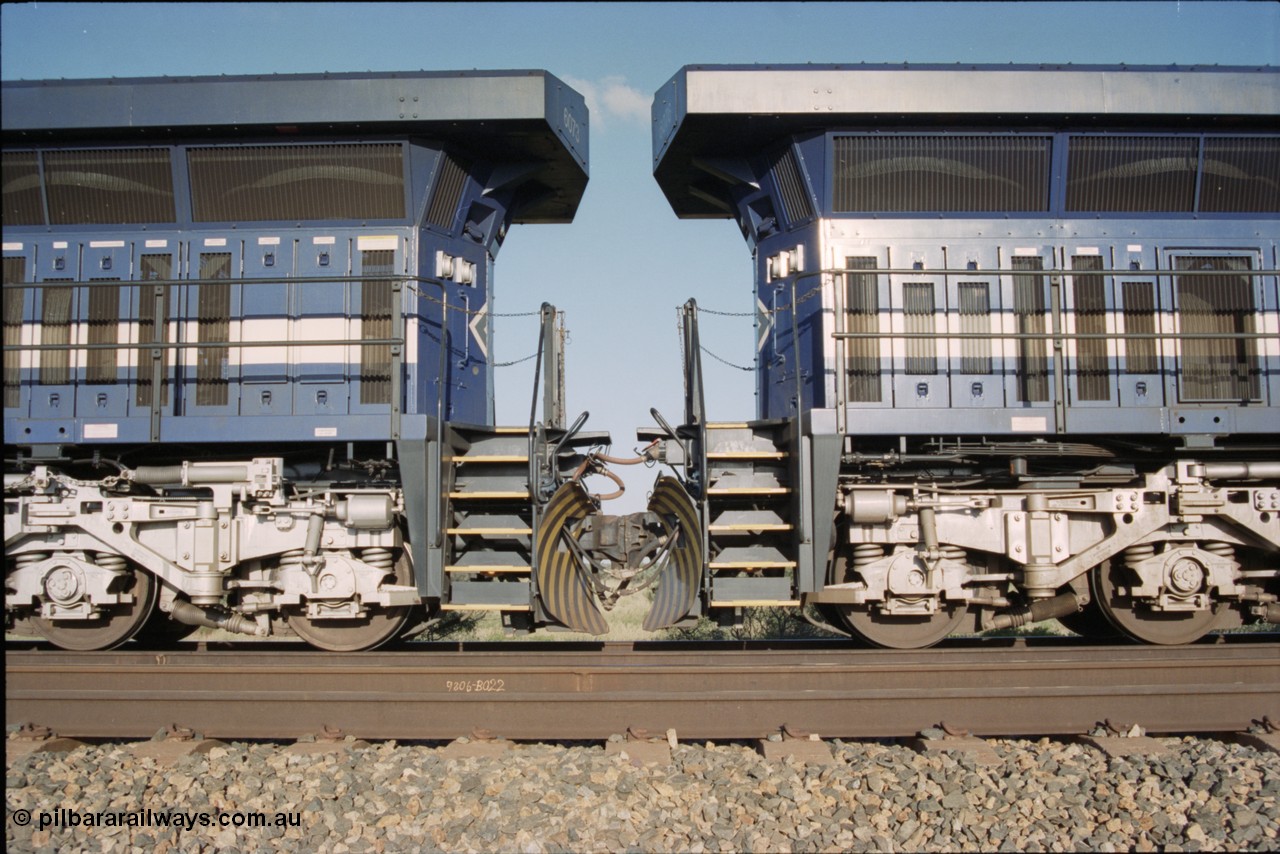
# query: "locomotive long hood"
{"type": "Point", "coordinates": [710, 112]}
{"type": "Point", "coordinates": [518, 117]}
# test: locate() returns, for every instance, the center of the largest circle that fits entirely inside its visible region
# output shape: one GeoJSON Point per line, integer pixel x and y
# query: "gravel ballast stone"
{"type": "Point", "coordinates": [1201, 795]}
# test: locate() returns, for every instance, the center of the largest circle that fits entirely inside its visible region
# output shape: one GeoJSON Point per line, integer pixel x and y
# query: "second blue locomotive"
{"type": "Point", "coordinates": [1018, 344]}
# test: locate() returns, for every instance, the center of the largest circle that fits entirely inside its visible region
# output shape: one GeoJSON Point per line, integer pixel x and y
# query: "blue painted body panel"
{"type": "Point", "coordinates": [288, 381]}
{"type": "Point", "coordinates": [480, 151]}
{"type": "Point", "coordinates": [758, 144]}
{"type": "Point", "coordinates": [948, 403]}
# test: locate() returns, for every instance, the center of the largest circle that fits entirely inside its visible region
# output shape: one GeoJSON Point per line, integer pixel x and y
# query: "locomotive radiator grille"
{"type": "Point", "coordinates": [109, 186]}
{"type": "Point", "coordinates": [1029, 310]}
{"type": "Point", "coordinates": [55, 329]}
{"type": "Point", "coordinates": [1241, 174]}
{"type": "Point", "coordinates": [1142, 355]}
{"type": "Point", "coordinates": [932, 173]}
{"type": "Point", "coordinates": [15, 270]}
{"type": "Point", "coordinates": [918, 311]}
{"type": "Point", "coordinates": [1217, 368]}
{"type": "Point", "coordinates": [297, 182]}
{"type": "Point", "coordinates": [104, 329]}
{"type": "Point", "coordinates": [447, 194]}
{"type": "Point", "coordinates": [215, 326]}
{"type": "Point", "coordinates": [791, 184]}
{"type": "Point", "coordinates": [975, 319]}
{"type": "Point", "coordinates": [375, 322]}
{"type": "Point", "coordinates": [21, 179]}
{"type": "Point", "coordinates": [1090, 314]}
{"type": "Point", "coordinates": [1131, 173]}
{"type": "Point", "coordinates": [862, 306]}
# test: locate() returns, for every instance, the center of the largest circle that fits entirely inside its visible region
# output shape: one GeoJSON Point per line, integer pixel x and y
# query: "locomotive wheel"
{"type": "Point", "coordinates": [899, 632]}
{"type": "Point", "coordinates": [117, 625]}
{"type": "Point", "coordinates": [1139, 622]}
{"type": "Point", "coordinates": [368, 632]}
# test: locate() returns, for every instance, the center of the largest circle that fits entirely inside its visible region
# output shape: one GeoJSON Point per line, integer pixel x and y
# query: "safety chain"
{"type": "Point", "coordinates": [726, 361]}
{"type": "Point", "coordinates": [805, 297]}
{"type": "Point", "coordinates": [702, 310]}
{"type": "Point", "coordinates": [457, 351]}
{"type": "Point", "coordinates": [417, 292]}
{"type": "Point", "coordinates": [516, 362]}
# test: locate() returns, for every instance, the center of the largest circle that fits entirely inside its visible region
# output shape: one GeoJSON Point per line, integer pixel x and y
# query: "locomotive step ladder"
{"type": "Point", "coordinates": [489, 520]}
{"type": "Point", "coordinates": [751, 520]}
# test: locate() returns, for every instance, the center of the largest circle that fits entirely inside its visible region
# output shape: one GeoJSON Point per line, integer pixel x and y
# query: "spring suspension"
{"type": "Point", "coordinates": [1222, 550]}
{"type": "Point", "coordinates": [954, 553]}
{"type": "Point", "coordinates": [23, 561]}
{"type": "Point", "coordinates": [865, 553]}
{"type": "Point", "coordinates": [1135, 555]}
{"type": "Point", "coordinates": [111, 562]}
{"type": "Point", "coordinates": [378, 558]}
{"type": "Point", "coordinates": [297, 559]}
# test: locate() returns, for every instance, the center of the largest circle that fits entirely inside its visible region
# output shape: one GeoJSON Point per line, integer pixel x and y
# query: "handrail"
{"type": "Point", "coordinates": [1159, 272]}
{"type": "Point", "coordinates": [396, 343]}
{"type": "Point", "coordinates": [795, 349]}
{"type": "Point", "coordinates": [1041, 271]}
{"type": "Point", "coordinates": [951, 272]}
{"type": "Point", "coordinates": [438, 450]}
{"type": "Point", "coordinates": [1054, 336]}
{"type": "Point", "coordinates": [535, 445]}
{"type": "Point", "coordinates": [271, 342]}
{"type": "Point", "coordinates": [211, 345]}
{"type": "Point", "coordinates": [277, 280]}
{"type": "Point", "coordinates": [797, 451]}
{"type": "Point", "coordinates": [1052, 277]}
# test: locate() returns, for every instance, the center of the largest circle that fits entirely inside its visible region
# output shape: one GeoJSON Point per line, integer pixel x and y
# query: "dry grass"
{"type": "Point", "coordinates": [625, 621]}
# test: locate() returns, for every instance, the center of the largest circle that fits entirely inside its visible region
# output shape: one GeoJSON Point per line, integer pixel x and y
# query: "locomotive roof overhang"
{"type": "Point", "coordinates": [505, 117]}
{"type": "Point", "coordinates": [706, 116]}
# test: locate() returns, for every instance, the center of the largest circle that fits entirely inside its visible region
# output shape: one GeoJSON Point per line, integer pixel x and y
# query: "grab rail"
{"type": "Point", "coordinates": [160, 318]}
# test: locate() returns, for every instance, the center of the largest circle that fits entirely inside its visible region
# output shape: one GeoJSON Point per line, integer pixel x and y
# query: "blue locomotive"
{"type": "Point", "coordinates": [1018, 356]}
{"type": "Point", "coordinates": [247, 354]}
{"type": "Point", "coordinates": [1018, 345]}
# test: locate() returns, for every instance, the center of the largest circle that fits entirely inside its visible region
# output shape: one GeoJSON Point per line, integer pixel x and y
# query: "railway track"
{"type": "Point", "coordinates": [723, 691]}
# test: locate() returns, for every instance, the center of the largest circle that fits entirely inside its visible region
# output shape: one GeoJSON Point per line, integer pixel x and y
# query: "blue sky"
{"type": "Point", "coordinates": [623, 267]}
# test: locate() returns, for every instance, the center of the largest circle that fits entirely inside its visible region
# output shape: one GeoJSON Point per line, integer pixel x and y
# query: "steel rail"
{"type": "Point", "coordinates": [988, 688]}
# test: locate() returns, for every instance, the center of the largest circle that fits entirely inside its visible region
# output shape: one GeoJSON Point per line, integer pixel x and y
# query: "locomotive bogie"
{"type": "Point", "coordinates": [1175, 534]}
{"type": "Point", "coordinates": [224, 539]}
